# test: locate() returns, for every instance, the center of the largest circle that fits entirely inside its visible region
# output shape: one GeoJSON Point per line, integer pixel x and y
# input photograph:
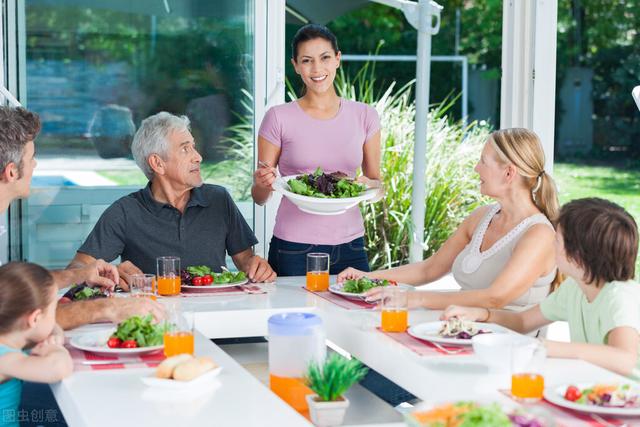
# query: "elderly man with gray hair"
{"type": "Point", "coordinates": [175, 214]}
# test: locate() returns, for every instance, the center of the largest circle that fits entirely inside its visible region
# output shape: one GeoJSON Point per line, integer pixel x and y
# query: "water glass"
{"type": "Point", "coordinates": [168, 275]}
{"type": "Point", "coordinates": [143, 285]}
{"type": "Point", "coordinates": [317, 271]}
{"type": "Point", "coordinates": [394, 303]}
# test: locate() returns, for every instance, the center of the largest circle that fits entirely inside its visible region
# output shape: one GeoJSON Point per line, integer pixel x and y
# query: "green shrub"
{"type": "Point", "coordinates": [451, 183]}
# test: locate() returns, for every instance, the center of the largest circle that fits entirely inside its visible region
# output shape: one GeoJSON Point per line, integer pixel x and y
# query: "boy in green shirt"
{"type": "Point", "coordinates": [596, 248]}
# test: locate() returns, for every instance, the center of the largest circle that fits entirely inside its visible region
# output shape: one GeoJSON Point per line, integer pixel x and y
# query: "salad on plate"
{"type": "Point", "coordinates": [319, 184]}
{"type": "Point", "coordinates": [605, 395]}
{"type": "Point", "coordinates": [202, 275]}
{"type": "Point", "coordinates": [471, 414]}
{"type": "Point", "coordinates": [82, 292]}
{"type": "Point", "coordinates": [135, 332]}
{"type": "Point", "coordinates": [460, 329]}
{"type": "Point", "coordinates": [364, 284]}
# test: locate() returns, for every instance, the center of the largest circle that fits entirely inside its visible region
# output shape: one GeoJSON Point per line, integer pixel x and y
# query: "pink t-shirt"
{"type": "Point", "coordinates": [334, 145]}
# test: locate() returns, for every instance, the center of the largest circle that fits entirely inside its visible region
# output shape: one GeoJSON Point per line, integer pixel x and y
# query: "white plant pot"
{"type": "Point", "coordinates": [327, 414]}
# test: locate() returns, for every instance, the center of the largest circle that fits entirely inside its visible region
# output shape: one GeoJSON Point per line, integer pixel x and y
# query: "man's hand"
{"type": "Point", "coordinates": [259, 270]}
{"type": "Point", "coordinates": [126, 270]}
{"type": "Point", "coordinates": [100, 273]}
{"type": "Point", "coordinates": [122, 308]}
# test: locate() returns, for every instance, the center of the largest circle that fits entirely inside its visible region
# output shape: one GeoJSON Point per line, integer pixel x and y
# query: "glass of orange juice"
{"type": "Point", "coordinates": [178, 335]}
{"type": "Point", "coordinates": [168, 281]}
{"type": "Point", "coordinates": [527, 362]}
{"type": "Point", "coordinates": [395, 314]}
{"type": "Point", "coordinates": [143, 285]}
{"type": "Point", "coordinates": [317, 271]}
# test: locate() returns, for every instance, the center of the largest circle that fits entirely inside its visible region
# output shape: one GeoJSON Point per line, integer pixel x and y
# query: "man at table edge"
{"type": "Point", "coordinates": [18, 131]}
{"type": "Point", "coordinates": [176, 214]}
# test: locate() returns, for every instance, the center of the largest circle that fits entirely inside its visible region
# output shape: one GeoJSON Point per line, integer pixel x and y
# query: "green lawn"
{"type": "Point", "coordinates": [621, 186]}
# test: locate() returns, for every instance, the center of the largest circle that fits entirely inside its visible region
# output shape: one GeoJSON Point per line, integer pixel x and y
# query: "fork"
{"type": "Point", "coordinates": [446, 350]}
{"type": "Point", "coordinates": [604, 422]}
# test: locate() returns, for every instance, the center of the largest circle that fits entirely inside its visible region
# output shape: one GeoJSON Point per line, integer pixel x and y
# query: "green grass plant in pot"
{"type": "Point", "coordinates": [330, 381]}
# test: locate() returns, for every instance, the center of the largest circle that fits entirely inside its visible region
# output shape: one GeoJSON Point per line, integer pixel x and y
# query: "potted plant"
{"type": "Point", "coordinates": [330, 381]}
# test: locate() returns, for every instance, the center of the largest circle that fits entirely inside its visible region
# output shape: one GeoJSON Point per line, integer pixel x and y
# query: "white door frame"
{"type": "Point", "coordinates": [269, 50]}
{"type": "Point", "coordinates": [529, 34]}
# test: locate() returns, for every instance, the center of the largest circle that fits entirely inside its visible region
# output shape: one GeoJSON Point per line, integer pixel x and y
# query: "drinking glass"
{"type": "Point", "coordinates": [143, 285]}
{"type": "Point", "coordinates": [168, 275]}
{"type": "Point", "coordinates": [527, 363]}
{"type": "Point", "coordinates": [178, 336]}
{"type": "Point", "coordinates": [317, 271]}
{"type": "Point", "coordinates": [395, 313]}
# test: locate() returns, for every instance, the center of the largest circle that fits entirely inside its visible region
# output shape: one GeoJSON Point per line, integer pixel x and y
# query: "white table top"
{"type": "Point", "coordinates": [116, 397]}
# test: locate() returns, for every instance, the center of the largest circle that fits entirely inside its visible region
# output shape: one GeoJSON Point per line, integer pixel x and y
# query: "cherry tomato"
{"type": "Point", "coordinates": [130, 344]}
{"type": "Point", "coordinates": [196, 281]}
{"type": "Point", "coordinates": [393, 283]}
{"type": "Point", "coordinates": [114, 342]}
{"type": "Point", "coordinates": [64, 300]}
{"type": "Point", "coordinates": [207, 279]}
{"type": "Point", "coordinates": [573, 393]}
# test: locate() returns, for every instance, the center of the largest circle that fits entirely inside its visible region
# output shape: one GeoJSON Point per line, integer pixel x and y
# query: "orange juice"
{"type": "Point", "coordinates": [168, 286]}
{"type": "Point", "coordinates": [317, 281]}
{"type": "Point", "coordinates": [394, 320]}
{"type": "Point", "coordinates": [178, 343]}
{"type": "Point", "coordinates": [291, 390]}
{"type": "Point", "coordinates": [527, 386]}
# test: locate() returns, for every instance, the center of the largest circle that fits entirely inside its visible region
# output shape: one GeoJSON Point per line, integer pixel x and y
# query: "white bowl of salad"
{"type": "Point", "coordinates": [320, 193]}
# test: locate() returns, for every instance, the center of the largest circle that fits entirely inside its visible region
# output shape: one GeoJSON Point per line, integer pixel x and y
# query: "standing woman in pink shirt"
{"type": "Point", "coordinates": [320, 129]}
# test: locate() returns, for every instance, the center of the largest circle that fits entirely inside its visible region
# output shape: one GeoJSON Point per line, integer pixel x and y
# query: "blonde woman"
{"type": "Point", "coordinates": [502, 254]}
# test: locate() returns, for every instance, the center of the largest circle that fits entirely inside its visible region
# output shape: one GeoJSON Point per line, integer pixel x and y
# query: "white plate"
{"type": "Point", "coordinates": [555, 395]}
{"type": "Point", "coordinates": [337, 289]}
{"type": "Point", "coordinates": [203, 380]}
{"type": "Point", "coordinates": [96, 342]}
{"type": "Point", "coordinates": [319, 205]}
{"type": "Point", "coordinates": [429, 332]}
{"type": "Point", "coordinates": [220, 286]}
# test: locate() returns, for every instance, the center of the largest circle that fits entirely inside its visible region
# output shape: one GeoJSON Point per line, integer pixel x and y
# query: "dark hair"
{"type": "Point", "coordinates": [24, 287]}
{"type": "Point", "coordinates": [601, 237]}
{"type": "Point", "coordinates": [17, 127]}
{"type": "Point", "coordinates": [311, 32]}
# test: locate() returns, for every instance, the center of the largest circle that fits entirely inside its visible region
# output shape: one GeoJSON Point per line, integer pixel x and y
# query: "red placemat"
{"type": "Point", "coordinates": [349, 304]}
{"type": "Point", "coordinates": [565, 417]}
{"type": "Point", "coordinates": [250, 288]}
{"type": "Point", "coordinates": [426, 348]}
{"type": "Point", "coordinates": [119, 362]}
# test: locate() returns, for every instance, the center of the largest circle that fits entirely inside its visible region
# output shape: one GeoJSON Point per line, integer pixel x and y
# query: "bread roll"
{"type": "Point", "coordinates": [168, 365]}
{"type": "Point", "coordinates": [186, 371]}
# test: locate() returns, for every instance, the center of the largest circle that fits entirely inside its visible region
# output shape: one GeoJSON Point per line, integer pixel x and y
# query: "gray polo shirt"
{"type": "Point", "coordinates": [139, 229]}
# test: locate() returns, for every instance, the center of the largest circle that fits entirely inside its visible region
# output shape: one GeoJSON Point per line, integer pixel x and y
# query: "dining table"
{"type": "Point", "coordinates": [118, 397]}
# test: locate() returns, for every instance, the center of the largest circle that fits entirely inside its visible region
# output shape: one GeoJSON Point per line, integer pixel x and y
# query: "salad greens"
{"type": "Point", "coordinates": [142, 330]}
{"type": "Point", "coordinates": [607, 395]}
{"type": "Point", "coordinates": [226, 276]}
{"type": "Point", "coordinates": [83, 292]}
{"type": "Point", "coordinates": [470, 414]}
{"type": "Point", "coordinates": [363, 284]}
{"type": "Point", "coordinates": [319, 184]}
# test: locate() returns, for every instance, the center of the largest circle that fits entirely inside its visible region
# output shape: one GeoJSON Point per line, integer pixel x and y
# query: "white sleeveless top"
{"type": "Point", "coordinates": [473, 269]}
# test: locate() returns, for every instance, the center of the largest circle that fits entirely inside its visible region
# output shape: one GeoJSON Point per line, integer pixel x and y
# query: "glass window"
{"type": "Point", "coordinates": [95, 69]}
